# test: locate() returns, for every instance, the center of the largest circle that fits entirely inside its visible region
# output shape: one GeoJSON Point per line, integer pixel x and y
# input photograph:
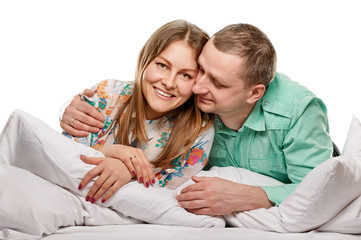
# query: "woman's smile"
{"type": "Point", "coordinates": [162, 93]}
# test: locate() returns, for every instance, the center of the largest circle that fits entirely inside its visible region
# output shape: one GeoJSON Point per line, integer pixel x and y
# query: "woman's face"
{"type": "Point", "coordinates": [168, 80]}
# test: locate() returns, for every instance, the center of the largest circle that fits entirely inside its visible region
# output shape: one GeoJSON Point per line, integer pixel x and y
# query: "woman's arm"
{"type": "Point", "coordinates": [134, 159]}
{"type": "Point", "coordinates": [195, 160]}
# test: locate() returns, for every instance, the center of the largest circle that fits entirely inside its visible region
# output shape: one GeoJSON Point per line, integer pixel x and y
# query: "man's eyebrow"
{"type": "Point", "coordinates": [212, 77]}
{"type": "Point", "coordinates": [217, 80]}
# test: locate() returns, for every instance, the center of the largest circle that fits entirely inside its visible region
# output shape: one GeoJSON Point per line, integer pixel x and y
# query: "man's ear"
{"type": "Point", "coordinates": [256, 92]}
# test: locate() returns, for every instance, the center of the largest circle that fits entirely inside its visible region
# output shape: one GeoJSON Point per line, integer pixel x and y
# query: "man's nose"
{"type": "Point", "coordinates": [200, 87]}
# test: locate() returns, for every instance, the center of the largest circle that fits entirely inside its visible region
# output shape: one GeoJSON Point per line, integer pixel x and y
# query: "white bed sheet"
{"type": "Point", "coordinates": [160, 232]}
{"type": "Point", "coordinates": [23, 130]}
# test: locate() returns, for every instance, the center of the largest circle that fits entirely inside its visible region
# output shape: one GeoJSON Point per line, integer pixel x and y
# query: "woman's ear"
{"type": "Point", "coordinates": [256, 93]}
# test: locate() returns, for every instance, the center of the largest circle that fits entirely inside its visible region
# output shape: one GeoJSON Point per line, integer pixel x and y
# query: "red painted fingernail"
{"type": "Point", "coordinates": [153, 180]}
{"type": "Point", "coordinates": [80, 187]}
{"type": "Point", "coordinates": [103, 200]}
{"type": "Point", "coordinates": [147, 184]}
{"type": "Point", "coordinates": [133, 173]}
{"type": "Point", "coordinates": [92, 201]}
{"type": "Point", "coordinates": [87, 198]}
{"type": "Point", "coordinates": [141, 180]}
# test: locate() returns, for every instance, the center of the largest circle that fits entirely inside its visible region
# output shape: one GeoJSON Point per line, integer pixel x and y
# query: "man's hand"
{"type": "Point", "coordinates": [80, 118]}
{"type": "Point", "coordinates": [216, 196]}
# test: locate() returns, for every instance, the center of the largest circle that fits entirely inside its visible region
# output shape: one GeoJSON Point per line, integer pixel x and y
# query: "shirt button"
{"type": "Point", "coordinates": [277, 167]}
{"type": "Point", "coordinates": [265, 103]}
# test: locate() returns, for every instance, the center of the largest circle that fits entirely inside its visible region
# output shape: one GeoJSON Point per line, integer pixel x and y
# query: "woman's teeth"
{"type": "Point", "coordinates": [160, 92]}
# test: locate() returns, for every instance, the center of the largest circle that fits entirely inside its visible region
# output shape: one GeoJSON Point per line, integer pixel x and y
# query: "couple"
{"type": "Point", "coordinates": [188, 89]}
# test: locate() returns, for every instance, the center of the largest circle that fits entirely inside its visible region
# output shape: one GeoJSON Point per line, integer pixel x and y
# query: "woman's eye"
{"type": "Point", "coordinates": [186, 75]}
{"type": "Point", "coordinates": [162, 65]}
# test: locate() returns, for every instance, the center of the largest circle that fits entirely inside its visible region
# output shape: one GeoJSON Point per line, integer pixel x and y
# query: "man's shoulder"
{"type": "Point", "coordinates": [284, 95]}
{"type": "Point", "coordinates": [283, 88]}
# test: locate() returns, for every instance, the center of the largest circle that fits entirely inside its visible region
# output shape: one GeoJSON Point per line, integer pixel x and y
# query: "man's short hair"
{"type": "Point", "coordinates": [250, 43]}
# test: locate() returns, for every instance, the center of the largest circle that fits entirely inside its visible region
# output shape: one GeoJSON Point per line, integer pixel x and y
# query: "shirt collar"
{"type": "Point", "coordinates": [255, 121]}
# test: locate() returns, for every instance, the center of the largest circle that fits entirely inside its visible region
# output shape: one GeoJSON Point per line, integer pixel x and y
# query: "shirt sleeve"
{"type": "Point", "coordinates": [195, 160]}
{"type": "Point", "coordinates": [306, 144]}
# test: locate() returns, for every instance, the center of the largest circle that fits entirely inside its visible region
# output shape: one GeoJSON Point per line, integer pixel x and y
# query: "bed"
{"type": "Point", "coordinates": [39, 199]}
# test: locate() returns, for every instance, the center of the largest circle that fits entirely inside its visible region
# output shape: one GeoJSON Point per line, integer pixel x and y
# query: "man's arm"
{"type": "Point", "coordinates": [80, 118]}
{"type": "Point", "coordinates": [216, 196]}
{"type": "Point", "coordinates": [306, 145]}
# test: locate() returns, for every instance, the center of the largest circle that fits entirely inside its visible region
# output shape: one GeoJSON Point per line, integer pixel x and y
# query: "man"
{"type": "Point", "coordinates": [265, 122]}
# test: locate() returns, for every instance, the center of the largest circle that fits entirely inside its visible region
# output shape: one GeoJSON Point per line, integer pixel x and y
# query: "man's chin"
{"type": "Point", "coordinates": [204, 108]}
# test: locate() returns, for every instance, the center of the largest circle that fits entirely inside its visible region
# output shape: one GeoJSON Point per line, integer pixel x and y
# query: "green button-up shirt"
{"type": "Point", "coordinates": [285, 137]}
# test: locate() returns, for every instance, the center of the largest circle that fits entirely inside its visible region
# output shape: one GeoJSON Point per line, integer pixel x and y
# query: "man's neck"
{"type": "Point", "coordinates": [236, 120]}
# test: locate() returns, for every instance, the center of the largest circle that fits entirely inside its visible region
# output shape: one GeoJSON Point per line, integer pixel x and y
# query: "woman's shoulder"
{"type": "Point", "coordinates": [110, 87]}
{"type": "Point", "coordinates": [110, 95]}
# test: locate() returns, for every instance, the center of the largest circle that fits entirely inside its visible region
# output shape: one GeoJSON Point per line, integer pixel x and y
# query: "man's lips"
{"type": "Point", "coordinates": [204, 100]}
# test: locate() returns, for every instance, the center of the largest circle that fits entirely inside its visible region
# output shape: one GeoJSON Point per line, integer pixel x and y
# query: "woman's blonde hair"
{"type": "Point", "coordinates": [187, 120]}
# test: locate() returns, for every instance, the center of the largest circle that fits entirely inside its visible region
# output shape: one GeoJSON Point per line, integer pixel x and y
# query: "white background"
{"type": "Point", "coordinates": [51, 50]}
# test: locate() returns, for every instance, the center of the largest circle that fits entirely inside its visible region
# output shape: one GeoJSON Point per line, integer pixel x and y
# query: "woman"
{"type": "Point", "coordinates": [152, 125]}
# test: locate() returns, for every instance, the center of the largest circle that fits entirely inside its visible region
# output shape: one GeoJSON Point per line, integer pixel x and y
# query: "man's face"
{"type": "Point", "coordinates": [218, 83]}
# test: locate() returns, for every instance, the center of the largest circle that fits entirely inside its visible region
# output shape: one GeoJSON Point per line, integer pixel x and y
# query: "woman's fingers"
{"type": "Point", "coordinates": [114, 188]}
{"type": "Point", "coordinates": [91, 160]}
{"type": "Point", "coordinates": [112, 174]}
{"type": "Point", "coordinates": [89, 176]}
{"type": "Point", "coordinates": [147, 171]}
{"type": "Point", "coordinates": [129, 164]}
{"type": "Point", "coordinates": [100, 186]}
{"type": "Point", "coordinates": [143, 168]}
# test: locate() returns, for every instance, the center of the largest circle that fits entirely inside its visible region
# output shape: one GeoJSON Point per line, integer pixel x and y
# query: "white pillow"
{"type": "Point", "coordinates": [319, 198]}
{"type": "Point", "coordinates": [32, 205]}
{"type": "Point", "coordinates": [353, 139]}
{"type": "Point", "coordinates": [347, 221]}
{"type": "Point", "coordinates": [28, 143]}
{"type": "Point", "coordinates": [324, 192]}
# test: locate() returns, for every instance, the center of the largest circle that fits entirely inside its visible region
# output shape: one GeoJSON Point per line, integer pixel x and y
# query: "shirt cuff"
{"type": "Point", "coordinates": [276, 194]}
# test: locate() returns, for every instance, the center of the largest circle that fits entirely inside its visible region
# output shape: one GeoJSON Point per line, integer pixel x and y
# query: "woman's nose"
{"type": "Point", "coordinates": [169, 81]}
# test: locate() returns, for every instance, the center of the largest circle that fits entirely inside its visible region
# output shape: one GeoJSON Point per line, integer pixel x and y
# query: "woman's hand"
{"type": "Point", "coordinates": [135, 160]}
{"type": "Point", "coordinates": [80, 118]}
{"type": "Point", "coordinates": [113, 174]}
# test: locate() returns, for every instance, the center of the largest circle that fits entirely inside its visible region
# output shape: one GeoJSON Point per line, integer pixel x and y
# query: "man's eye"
{"type": "Point", "coordinates": [218, 85]}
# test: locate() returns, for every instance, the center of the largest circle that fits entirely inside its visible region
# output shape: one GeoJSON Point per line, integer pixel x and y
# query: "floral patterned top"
{"type": "Point", "coordinates": [108, 98]}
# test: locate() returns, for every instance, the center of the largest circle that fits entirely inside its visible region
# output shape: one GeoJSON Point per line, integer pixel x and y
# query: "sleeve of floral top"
{"type": "Point", "coordinates": [109, 95]}
{"type": "Point", "coordinates": [195, 160]}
